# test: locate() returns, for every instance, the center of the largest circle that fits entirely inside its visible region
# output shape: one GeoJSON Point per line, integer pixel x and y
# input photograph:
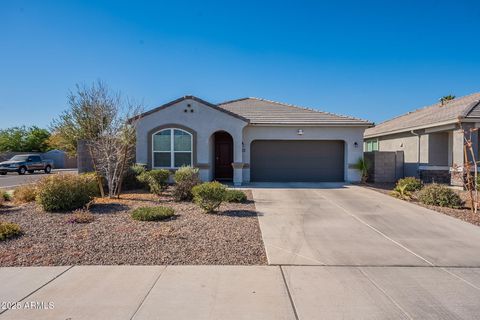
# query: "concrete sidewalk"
{"type": "Point", "coordinates": [240, 292]}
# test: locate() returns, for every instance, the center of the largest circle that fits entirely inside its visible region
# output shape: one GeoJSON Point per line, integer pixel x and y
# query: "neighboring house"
{"type": "Point", "coordinates": [431, 138]}
{"type": "Point", "coordinates": [250, 139]}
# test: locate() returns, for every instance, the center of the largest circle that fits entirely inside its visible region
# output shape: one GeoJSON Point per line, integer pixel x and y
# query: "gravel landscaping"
{"type": "Point", "coordinates": [464, 214]}
{"type": "Point", "coordinates": [230, 236]}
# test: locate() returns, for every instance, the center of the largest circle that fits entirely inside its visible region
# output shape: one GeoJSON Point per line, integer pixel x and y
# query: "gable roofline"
{"type": "Point", "coordinates": [462, 116]}
{"type": "Point", "coordinates": [362, 121]}
{"type": "Point", "coordinates": [188, 97]}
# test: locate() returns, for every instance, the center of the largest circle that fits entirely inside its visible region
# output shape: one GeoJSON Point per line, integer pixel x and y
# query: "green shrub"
{"type": "Point", "coordinates": [5, 195]}
{"type": "Point", "coordinates": [409, 184]}
{"type": "Point", "coordinates": [209, 195]}
{"type": "Point", "coordinates": [25, 193]}
{"type": "Point", "coordinates": [235, 196]}
{"type": "Point", "coordinates": [130, 179]}
{"type": "Point", "coordinates": [9, 230]}
{"type": "Point", "coordinates": [185, 179]}
{"type": "Point", "coordinates": [138, 169]}
{"type": "Point", "coordinates": [65, 192]}
{"type": "Point", "coordinates": [400, 192]}
{"type": "Point", "coordinates": [152, 213]}
{"type": "Point", "coordinates": [439, 195]}
{"type": "Point", "coordinates": [156, 180]}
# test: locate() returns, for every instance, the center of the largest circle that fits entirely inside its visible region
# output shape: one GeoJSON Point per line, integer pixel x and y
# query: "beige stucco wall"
{"type": "Point", "coordinates": [434, 149]}
{"type": "Point", "coordinates": [349, 135]}
{"type": "Point", "coordinates": [205, 121]}
{"type": "Point", "coordinates": [407, 143]}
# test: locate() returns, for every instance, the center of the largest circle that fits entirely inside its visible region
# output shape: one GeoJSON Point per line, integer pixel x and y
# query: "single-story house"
{"type": "Point", "coordinates": [250, 139]}
{"type": "Point", "coordinates": [431, 138]}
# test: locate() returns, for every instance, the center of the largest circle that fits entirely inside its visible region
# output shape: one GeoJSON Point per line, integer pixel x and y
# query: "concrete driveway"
{"type": "Point", "coordinates": [344, 252]}
{"type": "Point", "coordinates": [347, 225]}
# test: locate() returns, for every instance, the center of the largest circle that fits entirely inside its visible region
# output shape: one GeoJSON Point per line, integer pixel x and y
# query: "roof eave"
{"type": "Point", "coordinates": [189, 97]}
{"type": "Point", "coordinates": [431, 125]}
{"type": "Point", "coordinates": [307, 124]}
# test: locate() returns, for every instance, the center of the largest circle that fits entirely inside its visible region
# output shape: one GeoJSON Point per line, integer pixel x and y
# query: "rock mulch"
{"type": "Point", "coordinates": [231, 236]}
{"type": "Point", "coordinates": [464, 214]}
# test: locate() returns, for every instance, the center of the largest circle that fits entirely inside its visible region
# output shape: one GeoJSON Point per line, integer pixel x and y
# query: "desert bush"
{"type": "Point", "coordinates": [401, 192]}
{"type": "Point", "coordinates": [130, 179]}
{"type": "Point", "coordinates": [25, 193]}
{"type": "Point", "coordinates": [209, 195]}
{"type": "Point", "coordinates": [185, 179]}
{"type": "Point", "coordinates": [9, 230]}
{"type": "Point", "coordinates": [5, 195]}
{"type": "Point", "coordinates": [152, 213]}
{"type": "Point", "coordinates": [82, 216]}
{"type": "Point", "coordinates": [235, 196]}
{"type": "Point", "coordinates": [409, 184]}
{"type": "Point", "coordinates": [65, 192]}
{"type": "Point", "coordinates": [156, 180]}
{"type": "Point", "coordinates": [439, 195]}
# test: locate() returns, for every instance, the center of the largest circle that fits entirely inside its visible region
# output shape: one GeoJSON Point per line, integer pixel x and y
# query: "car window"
{"type": "Point", "coordinates": [19, 158]}
{"type": "Point", "coordinates": [35, 159]}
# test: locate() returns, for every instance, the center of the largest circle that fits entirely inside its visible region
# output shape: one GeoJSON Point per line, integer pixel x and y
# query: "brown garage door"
{"type": "Point", "coordinates": [297, 160]}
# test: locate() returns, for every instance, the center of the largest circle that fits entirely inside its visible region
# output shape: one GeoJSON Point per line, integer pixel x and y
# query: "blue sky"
{"type": "Point", "coordinates": [369, 59]}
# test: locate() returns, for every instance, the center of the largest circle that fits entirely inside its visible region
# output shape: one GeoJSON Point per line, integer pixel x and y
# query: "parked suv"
{"type": "Point", "coordinates": [26, 163]}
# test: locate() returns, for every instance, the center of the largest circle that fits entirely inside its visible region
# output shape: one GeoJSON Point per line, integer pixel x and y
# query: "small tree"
{"type": "Point", "coordinates": [23, 139]}
{"type": "Point", "coordinates": [107, 122]}
{"type": "Point", "coordinates": [445, 99]}
{"type": "Point", "coordinates": [468, 174]}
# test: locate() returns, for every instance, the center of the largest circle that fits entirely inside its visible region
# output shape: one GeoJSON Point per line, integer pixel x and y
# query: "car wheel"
{"type": "Point", "coordinates": [48, 169]}
{"type": "Point", "coordinates": [22, 170]}
{"type": "Point", "coordinates": [31, 171]}
{"type": "Point", "coordinates": [3, 173]}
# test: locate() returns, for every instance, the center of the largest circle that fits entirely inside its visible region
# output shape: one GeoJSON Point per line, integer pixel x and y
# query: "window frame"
{"type": "Point", "coordinates": [172, 148]}
{"type": "Point", "coordinates": [371, 143]}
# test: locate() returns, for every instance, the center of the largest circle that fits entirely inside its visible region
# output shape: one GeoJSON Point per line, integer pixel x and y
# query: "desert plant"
{"type": "Point", "coordinates": [209, 195]}
{"type": "Point", "coordinates": [130, 179]}
{"type": "Point", "coordinates": [439, 195]}
{"type": "Point", "coordinates": [235, 196]}
{"type": "Point", "coordinates": [25, 193]}
{"type": "Point", "coordinates": [65, 192]}
{"type": "Point", "coordinates": [401, 192]}
{"type": "Point", "coordinates": [9, 230]}
{"type": "Point", "coordinates": [409, 184]}
{"type": "Point", "coordinates": [156, 180]}
{"type": "Point", "coordinates": [81, 216]}
{"type": "Point", "coordinates": [363, 166]}
{"type": "Point", "coordinates": [5, 195]}
{"type": "Point", "coordinates": [152, 213]}
{"type": "Point", "coordinates": [185, 179]}
{"type": "Point", "coordinates": [106, 122]}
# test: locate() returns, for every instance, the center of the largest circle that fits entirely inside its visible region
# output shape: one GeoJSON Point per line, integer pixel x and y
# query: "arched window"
{"type": "Point", "coordinates": [171, 148]}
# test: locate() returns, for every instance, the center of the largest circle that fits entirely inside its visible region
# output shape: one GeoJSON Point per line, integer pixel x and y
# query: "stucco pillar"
{"type": "Point", "coordinates": [237, 173]}
{"type": "Point", "coordinates": [457, 156]}
{"type": "Point", "coordinates": [237, 160]}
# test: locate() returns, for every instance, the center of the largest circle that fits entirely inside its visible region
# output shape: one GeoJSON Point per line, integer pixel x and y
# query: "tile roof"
{"type": "Point", "coordinates": [262, 111]}
{"type": "Point", "coordinates": [430, 116]}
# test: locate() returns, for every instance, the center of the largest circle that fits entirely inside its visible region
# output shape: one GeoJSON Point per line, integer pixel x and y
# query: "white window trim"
{"type": "Point", "coordinates": [172, 148]}
{"type": "Point", "coordinates": [367, 141]}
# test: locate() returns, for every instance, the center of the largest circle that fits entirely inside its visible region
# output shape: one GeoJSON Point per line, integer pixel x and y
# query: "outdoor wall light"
{"type": "Point", "coordinates": [355, 144]}
{"type": "Point", "coordinates": [300, 132]}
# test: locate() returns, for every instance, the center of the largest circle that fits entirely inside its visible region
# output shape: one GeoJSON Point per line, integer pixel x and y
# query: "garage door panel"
{"type": "Point", "coordinates": [297, 160]}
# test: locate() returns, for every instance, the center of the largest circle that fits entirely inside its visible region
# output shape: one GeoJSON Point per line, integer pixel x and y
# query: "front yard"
{"type": "Point", "coordinates": [463, 213]}
{"type": "Point", "coordinates": [229, 236]}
